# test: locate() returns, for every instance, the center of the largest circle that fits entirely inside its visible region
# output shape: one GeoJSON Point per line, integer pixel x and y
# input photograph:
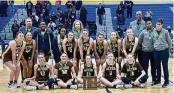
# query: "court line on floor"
{"type": "Point", "coordinates": [169, 80]}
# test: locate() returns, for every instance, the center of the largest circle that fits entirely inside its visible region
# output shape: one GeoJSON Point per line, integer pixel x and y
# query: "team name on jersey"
{"type": "Point", "coordinates": [134, 68]}
{"type": "Point", "coordinates": [110, 68]}
{"type": "Point", "coordinates": [64, 68]}
{"type": "Point", "coordinates": [43, 68]}
{"type": "Point", "coordinates": [86, 70]}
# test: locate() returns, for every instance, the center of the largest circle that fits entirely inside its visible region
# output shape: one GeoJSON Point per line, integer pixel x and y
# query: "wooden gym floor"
{"type": "Point", "coordinates": [4, 79]}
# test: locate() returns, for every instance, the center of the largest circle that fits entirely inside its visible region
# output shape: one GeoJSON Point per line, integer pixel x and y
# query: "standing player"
{"type": "Point", "coordinates": [85, 44]}
{"type": "Point", "coordinates": [100, 50]}
{"type": "Point", "coordinates": [130, 43]}
{"type": "Point", "coordinates": [28, 55]}
{"type": "Point", "coordinates": [70, 47]}
{"type": "Point", "coordinates": [115, 46]}
{"type": "Point", "coordinates": [12, 56]}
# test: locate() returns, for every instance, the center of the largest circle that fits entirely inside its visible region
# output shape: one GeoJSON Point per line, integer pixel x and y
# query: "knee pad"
{"type": "Point", "coordinates": [49, 82]}
{"type": "Point", "coordinates": [126, 80]}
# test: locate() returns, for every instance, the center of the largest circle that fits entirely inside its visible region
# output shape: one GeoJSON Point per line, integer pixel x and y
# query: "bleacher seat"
{"type": "Point", "coordinates": [9, 36]}
{"type": "Point", "coordinates": [2, 35]}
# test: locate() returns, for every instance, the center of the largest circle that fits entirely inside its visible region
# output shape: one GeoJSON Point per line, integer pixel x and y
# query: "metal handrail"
{"type": "Point", "coordinates": [9, 26]}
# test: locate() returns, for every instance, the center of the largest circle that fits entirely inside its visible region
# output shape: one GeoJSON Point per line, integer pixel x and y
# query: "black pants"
{"type": "Point", "coordinates": [129, 13]}
{"type": "Point", "coordinates": [146, 56]}
{"type": "Point", "coordinates": [14, 34]}
{"type": "Point", "coordinates": [29, 12]}
{"type": "Point", "coordinates": [128, 81]}
{"type": "Point", "coordinates": [120, 19]}
{"type": "Point", "coordinates": [100, 19]}
{"type": "Point", "coordinates": [138, 54]}
{"type": "Point", "coordinates": [163, 56]}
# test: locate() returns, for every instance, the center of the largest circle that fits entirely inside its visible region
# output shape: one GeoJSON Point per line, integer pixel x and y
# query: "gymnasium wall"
{"type": "Point", "coordinates": [103, 1]}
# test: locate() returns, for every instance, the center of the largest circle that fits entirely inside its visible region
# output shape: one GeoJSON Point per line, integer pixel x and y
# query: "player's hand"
{"type": "Point", "coordinates": [30, 62]}
{"type": "Point", "coordinates": [24, 64]}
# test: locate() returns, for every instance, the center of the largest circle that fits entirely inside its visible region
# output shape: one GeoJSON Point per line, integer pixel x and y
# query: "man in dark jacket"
{"type": "Point", "coordinates": [15, 28]}
{"type": "Point", "coordinates": [28, 27]}
{"type": "Point", "coordinates": [83, 15]}
{"type": "Point", "coordinates": [29, 6]}
{"type": "Point", "coordinates": [100, 13]}
{"type": "Point", "coordinates": [120, 31]}
{"type": "Point", "coordinates": [38, 8]}
{"type": "Point", "coordinates": [78, 6]}
{"type": "Point", "coordinates": [42, 36]}
{"type": "Point", "coordinates": [129, 5]}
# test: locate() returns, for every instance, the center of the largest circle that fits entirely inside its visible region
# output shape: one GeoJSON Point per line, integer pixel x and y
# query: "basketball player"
{"type": "Point", "coordinates": [28, 55]}
{"type": "Point", "coordinates": [100, 50]}
{"type": "Point", "coordinates": [41, 78]}
{"type": "Point", "coordinates": [110, 72]}
{"type": "Point", "coordinates": [70, 47]}
{"type": "Point", "coordinates": [12, 56]}
{"type": "Point", "coordinates": [86, 69]}
{"type": "Point", "coordinates": [114, 44]}
{"type": "Point", "coordinates": [130, 43]}
{"type": "Point", "coordinates": [59, 39]}
{"type": "Point", "coordinates": [132, 73]}
{"type": "Point", "coordinates": [64, 70]}
{"type": "Point", "coordinates": [85, 44]}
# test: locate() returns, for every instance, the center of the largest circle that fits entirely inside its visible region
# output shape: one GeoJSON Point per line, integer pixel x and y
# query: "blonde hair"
{"type": "Point", "coordinates": [126, 38]}
{"type": "Point", "coordinates": [81, 25]}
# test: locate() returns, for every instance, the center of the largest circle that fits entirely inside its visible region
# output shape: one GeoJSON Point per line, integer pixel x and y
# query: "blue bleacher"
{"type": "Point", "coordinates": [159, 10]}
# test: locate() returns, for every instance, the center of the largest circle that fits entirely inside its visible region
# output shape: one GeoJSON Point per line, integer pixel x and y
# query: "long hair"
{"type": "Point", "coordinates": [81, 25]}
{"type": "Point", "coordinates": [81, 38]}
{"type": "Point", "coordinates": [117, 36]}
{"type": "Point", "coordinates": [18, 34]}
{"type": "Point", "coordinates": [73, 40]}
{"type": "Point", "coordinates": [126, 38]}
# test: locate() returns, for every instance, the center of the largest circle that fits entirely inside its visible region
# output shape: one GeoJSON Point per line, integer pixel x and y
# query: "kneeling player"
{"type": "Point", "coordinates": [40, 80]}
{"type": "Point", "coordinates": [110, 73]}
{"type": "Point", "coordinates": [64, 72]}
{"type": "Point", "coordinates": [135, 75]}
{"type": "Point", "coordinates": [86, 69]}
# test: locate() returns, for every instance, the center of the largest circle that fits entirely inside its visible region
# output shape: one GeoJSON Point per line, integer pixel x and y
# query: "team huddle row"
{"type": "Point", "coordinates": [74, 51]}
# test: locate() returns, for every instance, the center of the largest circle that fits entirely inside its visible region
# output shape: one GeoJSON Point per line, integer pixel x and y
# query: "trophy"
{"type": "Point", "coordinates": [89, 83]}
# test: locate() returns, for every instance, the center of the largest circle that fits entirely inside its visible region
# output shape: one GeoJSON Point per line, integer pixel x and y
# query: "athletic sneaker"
{"type": "Point", "coordinates": [119, 86]}
{"type": "Point", "coordinates": [55, 86]}
{"type": "Point", "coordinates": [102, 86]}
{"type": "Point", "coordinates": [73, 87]}
{"type": "Point", "coordinates": [80, 85]}
{"type": "Point", "coordinates": [165, 85]}
{"type": "Point", "coordinates": [30, 88]}
{"type": "Point", "coordinates": [10, 85]}
{"type": "Point", "coordinates": [128, 85]}
{"type": "Point", "coordinates": [46, 88]}
{"type": "Point", "coordinates": [17, 85]}
{"type": "Point", "coordinates": [141, 85]}
{"type": "Point", "coordinates": [156, 84]}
